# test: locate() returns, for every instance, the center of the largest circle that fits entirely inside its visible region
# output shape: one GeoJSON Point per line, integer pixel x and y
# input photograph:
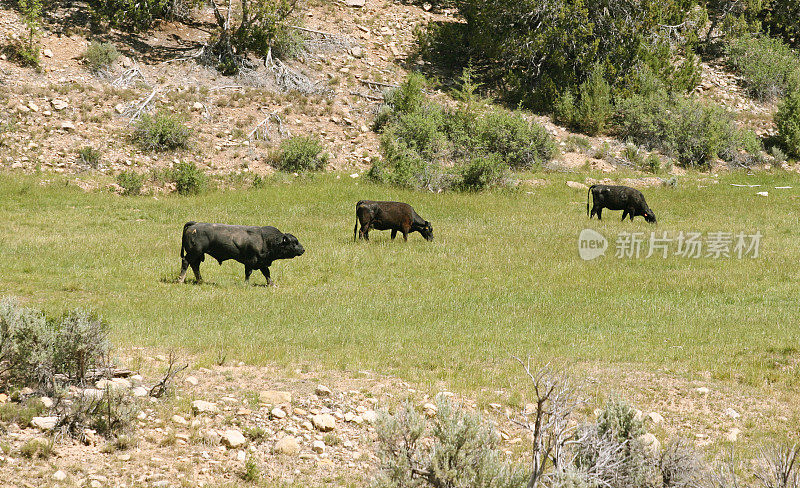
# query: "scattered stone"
{"type": "Point", "coordinates": [732, 413]}
{"type": "Point", "coordinates": [191, 380]}
{"type": "Point", "coordinates": [763, 193]}
{"type": "Point", "coordinates": [322, 391]}
{"type": "Point", "coordinates": [318, 447]}
{"type": "Point", "coordinates": [21, 108]}
{"type": "Point", "coordinates": [357, 52]}
{"type": "Point", "coordinates": [119, 108]}
{"type": "Point", "coordinates": [44, 423]}
{"type": "Point", "coordinates": [287, 445]}
{"type": "Point", "coordinates": [355, 3]}
{"type": "Point", "coordinates": [59, 104]}
{"type": "Point", "coordinates": [638, 415]}
{"type": "Point", "coordinates": [67, 125]}
{"type": "Point", "coordinates": [307, 425]}
{"type": "Point", "coordinates": [651, 443]}
{"type": "Point", "coordinates": [124, 457]}
{"type": "Point", "coordinates": [495, 406]}
{"type": "Point", "coordinates": [655, 417]}
{"type": "Point", "coordinates": [703, 390]}
{"type": "Point", "coordinates": [104, 383]}
{"type": "Point", "coordinates": [3, 398]}
{"type": "Point", "coordinates": [140, 391]}
{"type": "Point", "coordinates": [179, 420]}
{"type": "Point", "coordinates": [577, 185]}
{"type": "Point", "coordinates": [349, 416]}
{"type": "Point", "coordinates": [299, 412]}
{"type": "Point", "coordinates": [47, 53]}
{"type": "Point", "coordinates": [59, 475]}
{"type": "Point", "coordinates": [275, 397]}
{"type": "Point", "coordinates": [197, 106]}
{"type": "Point", "coordinates": [33, 107]}
{"type": "Point", "coordinates": [370, 416]}
{"type": "Point", "coordinates": [324, 422]}
{"type": "Point", "coordinates": [47, 402]}
{"type": "Point", "coordinates": [733, 435]}
{"type": "Point", "coordinates": [278, 413]}
{"type": "Point", "coordinates": [233, 439]}
{"type": "Point", "coordinates": [92, 393]}
{"type": "Point", "coordinates": [429, 409]}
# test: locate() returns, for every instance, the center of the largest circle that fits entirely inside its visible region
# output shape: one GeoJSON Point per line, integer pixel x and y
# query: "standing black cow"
{"type": "Point", "coordinates": [629, 200]}
{"type": "Point", "coordinates": [255, 247]}
{"type": "Point", "coordinates": [394, 216]}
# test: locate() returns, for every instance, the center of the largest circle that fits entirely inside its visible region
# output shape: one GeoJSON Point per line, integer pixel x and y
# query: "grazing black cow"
{"type": "Point", "coordinates": [394, 216]}
{"type": "Point", "coordinates": [613, 197]}
{"type": "Point", "coordinates": [255, 247]}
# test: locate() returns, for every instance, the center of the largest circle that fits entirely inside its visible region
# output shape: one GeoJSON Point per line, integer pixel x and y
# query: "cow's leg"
{"type": "Point", "coordinates": [631, 213]}
{"type": "Point", "coordinates": [600, 213]}
{"type": "Point", "coordinates": [405, 234]}
{"type": "Point", "coordinates": [196, 269]}
{"type": "Point", "coordinates": [394, 233]}
{"type": "Point", "coordinates": [624, 214]}
{"type": "Point", "coordinates": [365, 231]}
{"type": "Point", "coordinates": [184, 267]}
{"type": "Point", "coordinates": [265, 272]}
{"type": "Point", "coordinates": [594, 211]}
{"type": "Point", "coordinates": [247, 271]}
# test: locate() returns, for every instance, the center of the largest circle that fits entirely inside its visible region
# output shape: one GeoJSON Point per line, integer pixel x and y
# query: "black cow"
{"type": "Point", "coordinates": [255, 247]}
{"type": "Point", "coordinates": [396, 216]}
{"type": "Point", "coordinates": [629, 200]}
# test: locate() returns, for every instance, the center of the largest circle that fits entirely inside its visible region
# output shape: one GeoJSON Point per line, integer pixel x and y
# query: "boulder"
{"type": "Point", "coordinates": [324, 422]}
{"type": "Point", "coordinates": [233, 439]}
{"type": "Point", "coordinates": [287, 445]}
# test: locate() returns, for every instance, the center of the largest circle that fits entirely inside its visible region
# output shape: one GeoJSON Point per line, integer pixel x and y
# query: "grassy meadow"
{"type": "Point", "coordinates": [502, 277]}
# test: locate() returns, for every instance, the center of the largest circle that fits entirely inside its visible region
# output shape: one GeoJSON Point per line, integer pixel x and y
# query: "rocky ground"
{"type": "Point", "coordinates": [301, 427]}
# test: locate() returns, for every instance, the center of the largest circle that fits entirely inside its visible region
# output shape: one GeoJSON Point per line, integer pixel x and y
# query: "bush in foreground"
{"type": "Point", "coordinates": [787, 119]}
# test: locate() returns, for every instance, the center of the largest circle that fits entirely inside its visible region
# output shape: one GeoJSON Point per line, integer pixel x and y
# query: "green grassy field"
{"type": "Point", "coordinates": [502, 278]}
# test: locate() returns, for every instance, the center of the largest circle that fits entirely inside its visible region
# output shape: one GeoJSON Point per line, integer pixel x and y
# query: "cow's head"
{"type": "Point", "coordinates": [427, 231]}
{"type": "Point", "coordinates": [290, 247]}
{"type": "Point", "coordinates": [649, 216]}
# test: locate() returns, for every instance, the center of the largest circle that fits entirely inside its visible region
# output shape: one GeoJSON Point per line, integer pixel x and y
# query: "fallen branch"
{"type": "Point", "coordinates": [368, 97]}
{"type": "Point", "coordinates": [378, 83]}
{"type": "Point", "coordinates": [159, 389]}
{"type": "Point", "coordinates": [264, 124]}
{"type": "Point", "coordinates": [142, 106]}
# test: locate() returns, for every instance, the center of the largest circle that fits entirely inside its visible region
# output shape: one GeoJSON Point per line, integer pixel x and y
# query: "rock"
{"type": "Point", "coordinates": [140, 391]}
{"type": "Point", "coordinates": [197, 106]}
{"type": "Point", "coordinates": [278, 413]}
{"type": "Point", "coordinates": [429, 409]}
{"type": "Point", "coordinates": [44, 423]}
{"type": "Point", "coordinates": [763, 193]}
{"type": "Point", "coordinates": [638, 415]}
{"type": "Point", "coordinates": [104, 383]}
{"type": "Point", "coordinates": [651, 444]}
{"type": "Point", "coordinates": [349, 416]}
{"type": "Point", "coordinates": [355, 3]}
{"type": "Point", "coordinates": [191, 380]}
{"type": "Point", "coordinates": [299, 412]}
{"type": "Point", "coordinates": [322, 391]}
{"type": "Point", "coordinates": [92, 393]}
{"type": "Point", "coordinates": [357, 52]}
{"type": "Point", "coordinates": [3, 398]}
{"type": "Point", "coordinates": [59, 475]}
{"type": "Point", "coordinates": [21, 108]}
{"type": "Point", "coordinates": [275, 397]}
{"type": "Point", "coordinates": [121, 383]}
{"type": "Point", "coordinates": [370, 416]}
{"type": "Point", "coordinates": [47, 402]}
{"type": "Point", "coordinates": [33, 107]}
{"type": "Point", "coordinates": [287, 445]}
{"type": "Point", "coordinates": [577, 185]}
{"type": "Point", "coordinates": [703, 390]}
{"type": "Point", "coordinates": [59, 104]}
{"type": "Point", "coordinates": [233, 438]}
{"type": "Point", "coordinates": [655, 417]}
{"type": "Point", "coordinates": [179, 420]}
{"type": "Point", "coordinates": [123, 457]}
{"type": "Point", "coordinates": [733, 435]}
{"type": "Point", "coordinates": [67, 125]}
{"type": "Point", "coordinates": [732, 413]}
{"type": "Point", "coordinates": [324, 422]}
{"type": "Point", "coordinates": [119, 108]}
{"type": "Point", "coordinates": [47, 53]}
{"type": "Point", "coordinates": [318, 447]}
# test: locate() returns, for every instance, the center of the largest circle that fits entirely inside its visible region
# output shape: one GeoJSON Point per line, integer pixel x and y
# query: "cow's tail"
{"type": "Point", "coordinates": [183, 236]}
{"type": "Point", "coordinates": [355, 229]}
{"type": "Point", "coordinates": [588, 194]}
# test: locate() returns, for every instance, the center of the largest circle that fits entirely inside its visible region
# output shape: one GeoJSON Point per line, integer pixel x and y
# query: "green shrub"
{"type": "Point", "coordinates": [521, 144]}
{"type": "Point", "coordinates": [251, 472]}
{"type": "Point", "coordinates": [188, 178]}
{"type": "Point", "coordinates": [619, 421]}
{"type": "Point", "coordinates": [787, 119]}
{"type": "Point", "coordinates": [483, 172]}
{"type": "Point", "coordinates": [37, 448]}
{"type": "Point", "coordinates": [768, 66]}
{"type": "Point", "coordinates": [100, 55]}
{"type": "Point", "coordinates": [301, 153]}
{"type": "Point", "coordinates": [454, 449]}
{"type": "Point", "coordinates": [162, 132]}
{"type": "Point", "coordinates": [131, 182]}
{"type": "Point", "coordinates": [139, 15]}
{"type": "Point", "coordinates": [692, 131]}
{"type": "Point", "coordinates": [408, 97]}
{"type": "Point", "coordinates": [592, 110]}
{"type": "Point", "coordinates": [89, 156]}
{"type": "Point", "coordinates": [21, 413]}
{"type": "Point", "coordinates": [443, 43]}
{"type": "Point", "coordinates": [33, 350]}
